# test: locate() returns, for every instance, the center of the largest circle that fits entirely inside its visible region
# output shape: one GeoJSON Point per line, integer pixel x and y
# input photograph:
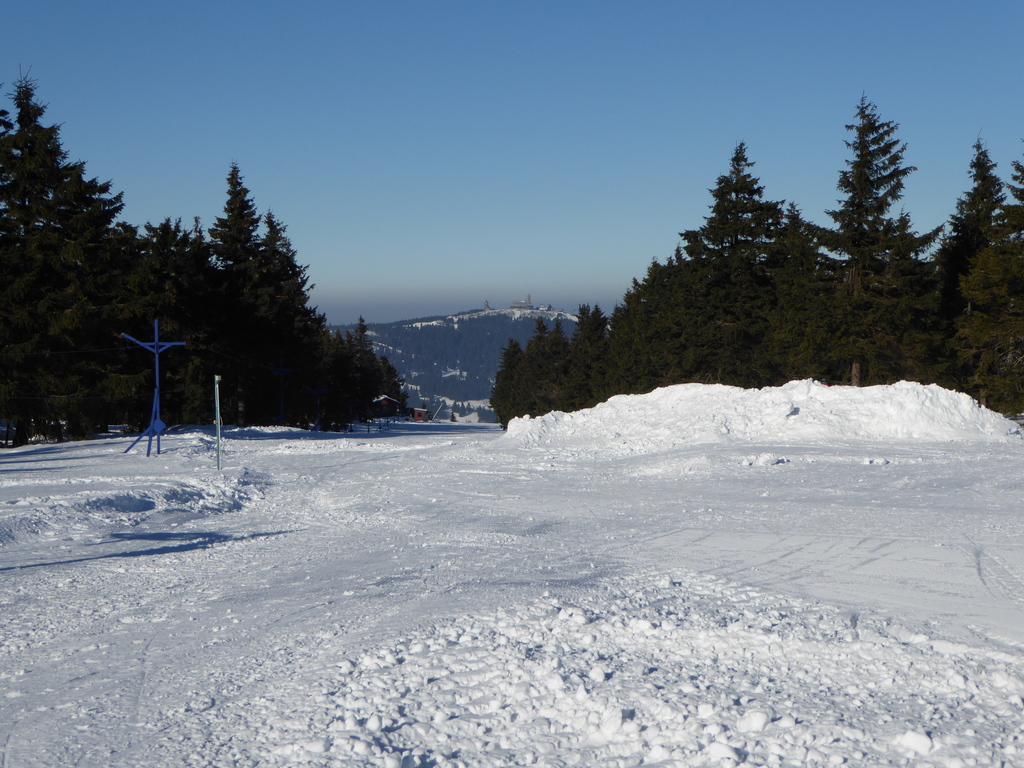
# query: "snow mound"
{"type": "Point", "coordinates": [685, 670]}
{"type": "Point", "coordinates": [798, 412]}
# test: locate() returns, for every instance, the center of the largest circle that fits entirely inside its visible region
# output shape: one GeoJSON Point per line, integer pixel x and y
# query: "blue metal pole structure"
{"type": "Point", "coordinates": [156, 426]}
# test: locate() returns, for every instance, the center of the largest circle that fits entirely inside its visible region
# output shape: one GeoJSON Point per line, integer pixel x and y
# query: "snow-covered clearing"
{"type": "Point", "coordinates": [700, 576]}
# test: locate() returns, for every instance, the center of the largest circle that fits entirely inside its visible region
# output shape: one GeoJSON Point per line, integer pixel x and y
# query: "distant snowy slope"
{"type": "Point", "coordinates": [452, 360]}
{"type": "Point", "coordinates": [798, 412]}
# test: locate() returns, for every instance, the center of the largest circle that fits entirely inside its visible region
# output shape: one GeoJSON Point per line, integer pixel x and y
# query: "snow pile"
{"type": "Point", "coordinates": [663, 671]}
{"type": "Point", "coordinates": [798, 412]}
{"type": "Point", "coordinates": [51, 508]}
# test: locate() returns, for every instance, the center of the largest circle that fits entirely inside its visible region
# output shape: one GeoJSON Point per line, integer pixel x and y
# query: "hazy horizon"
{"type": "Point", "coordinates": [341, 312]}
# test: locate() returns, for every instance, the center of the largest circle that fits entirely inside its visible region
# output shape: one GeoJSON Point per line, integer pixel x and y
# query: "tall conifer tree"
{"type": "Point", "coordinates": [641, 337]}
{"type": "Point", "coordinates": [507, 400]}
{"type": "Point", "coordinates": [588, 351]}
{"type": "Point", "coordinates": [8, 273]}
{"type": "Point", "coordinates": [181, 291]}
{"type": "Point", "coordinates": [247, 391]}
{"type": "Point", "coordinates": [731, 295]}
{"type": "Point", "coordinates": [970, 230]}
{"type": "Point", "coordinates": [802, 325]}
{"type": "Point", "coordinates": [283, 299]}
{"type": "Point", "coordinates": [991, 331]}
{"type": "Point", "coordinates": [886, 304]}
{"type": "Point", "coordinates": [57, 258]}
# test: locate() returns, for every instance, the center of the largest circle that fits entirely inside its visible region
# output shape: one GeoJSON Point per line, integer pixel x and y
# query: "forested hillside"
{"type": "Point", "coordinates": [451, 361]}
{"type": "Point", "coordinates": [759, 295]}
{"type": "Point", "coordinates": [75, 283]}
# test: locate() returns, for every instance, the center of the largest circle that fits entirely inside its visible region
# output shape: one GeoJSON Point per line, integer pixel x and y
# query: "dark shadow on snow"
{"type": "Point", "coordinates": [358, 430]}
{"type": "Point", "coordinates": [177, 542]}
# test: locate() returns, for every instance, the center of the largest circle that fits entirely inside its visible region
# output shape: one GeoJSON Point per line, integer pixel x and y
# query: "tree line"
{"type": "Point", "coordinates": [758, 295]}
{"type": "Point", "coordinates": [73, 279]}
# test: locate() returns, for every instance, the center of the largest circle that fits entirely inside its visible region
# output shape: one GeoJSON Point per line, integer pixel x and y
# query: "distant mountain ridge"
{"type": "Point", "coordinates": [449, 361]}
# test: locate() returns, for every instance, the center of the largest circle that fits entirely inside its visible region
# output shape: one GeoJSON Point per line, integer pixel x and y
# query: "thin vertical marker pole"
{"type": "Point", "coordinates": [216, 406]}
{"type": "Point", "coordinates": [156, 397]}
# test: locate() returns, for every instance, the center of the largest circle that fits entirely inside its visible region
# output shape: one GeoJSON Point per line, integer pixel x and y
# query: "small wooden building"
{"type": "Point", "coordinates": [385, 407]}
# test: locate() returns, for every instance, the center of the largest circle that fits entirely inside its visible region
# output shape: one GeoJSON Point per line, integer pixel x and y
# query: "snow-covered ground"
{"type": "Point", "coordinates": [700, 576]}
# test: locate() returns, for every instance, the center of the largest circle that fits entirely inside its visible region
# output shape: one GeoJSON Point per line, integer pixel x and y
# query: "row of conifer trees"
{"type": "Point", "coordinates": [73, 279]}
{"type": "Point", "coordinates": [758, 296]}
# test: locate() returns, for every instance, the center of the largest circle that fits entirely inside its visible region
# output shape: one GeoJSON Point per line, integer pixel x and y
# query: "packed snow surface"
{"type": "Point", "coordinates": [701, 576]}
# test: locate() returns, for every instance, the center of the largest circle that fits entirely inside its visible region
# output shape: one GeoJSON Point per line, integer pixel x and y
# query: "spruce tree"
{"type": "Point", "coordinates": [968, 235]}
{"type": "Point", "coordinates": [391, 382]}
{"type": "Point", "coordinates": [802, 326]}
{"type": "Point", "coordinates": [886, 306]}
{"type": "Point", "coordinates": [8, 274]}
{"type": "Point", "coordinates": [234, 235]}
{"type": "Point", "coordinates": [338, 410]}
{"type": "Point", "coordinates": [640, 337]}
{"type": "Point", "coordinates": [991, 330]}
{"type": "Point", "coordinates": [181, 291]}
{"type": "Point", "coordinates": [363, 383]}
{"type": "Point", "coordinates": [293, 328]}
{"type": "Point", "coordinates": [506, 395]}
{"type": "Point", "coordinates": [546, 368]}
{"type": "Point", "coordinates": [532, 381]}
{"type": "Point", "coordinates": [282, 294]}
{"type": "Point", "coordinates": [249, 394]}
{"type": "Point", "coordinates": [588, 351]}
{"type": "Point", "coordinates": [730, 291]}
{"type": "Point", "coordinates": [58, 260]}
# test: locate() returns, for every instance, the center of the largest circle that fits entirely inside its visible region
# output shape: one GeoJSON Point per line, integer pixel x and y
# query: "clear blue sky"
{"type": "Point", "coordinates": [427, 156]}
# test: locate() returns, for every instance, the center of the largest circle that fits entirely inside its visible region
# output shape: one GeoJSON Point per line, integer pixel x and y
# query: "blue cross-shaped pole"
{"type": "Point", "coordinates": [155, 425]}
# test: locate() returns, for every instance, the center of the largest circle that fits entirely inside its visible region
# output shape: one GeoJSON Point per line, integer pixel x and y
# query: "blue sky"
{"type": "Point", "coordinates": [428, 156]}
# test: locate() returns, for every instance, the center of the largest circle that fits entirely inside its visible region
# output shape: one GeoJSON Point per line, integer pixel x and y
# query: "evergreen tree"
{"type": "Point", "coordinates": [969, 234]}
{"type": "Point", "coordinates": [283, 292]}
{"type": "Point", "coordinates": [234, 235]}
{"type": "Point", "coordinates": [268, 325]}
{"type": "Point", "coordinates": [9, 362]}
{"type": "Point", "coordinates": [532, 381]}
{"type": "Point", "coordinates": [533, 373]}
{"type": "Point", "coordinates": [60, 277]}
{"type": "Point", "coordinates": [886, 305]}
{"type": "Point", "coordinates": [246, 390]}
{"type": "Point", "coordinates": [363, 383]}
{"type": "Point", "coordinates": [334, 371]}
{"type": "Point", "coordinates": [704, 315]}
{"type": "Point", "coordinates": [969, 230]}
{"type": "Point", "coordinates": [180, 288]}
{"type": "Point", "coordinates": [639, 337]}
{"type": "Point", "coordinates": [726, 316]}
{"type": "Point", "coordinates": [802, 327]}
{"type": "Point", "coordinates": [546, 366]}
{"type": "Point", "coordinates": [293, 328]}
{"type": "Point", "coordinates": [391, 382]}
{"type": "Point", "coordinates": [991, 331]}
{"type": "Point", "coordinates": [588, 351]}
{"type": "Point", "coordinates": [507, 400]}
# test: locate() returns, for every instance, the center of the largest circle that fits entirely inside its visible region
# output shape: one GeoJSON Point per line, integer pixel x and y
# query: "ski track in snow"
{"type": "Point", "coordinates": [685, 578]}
